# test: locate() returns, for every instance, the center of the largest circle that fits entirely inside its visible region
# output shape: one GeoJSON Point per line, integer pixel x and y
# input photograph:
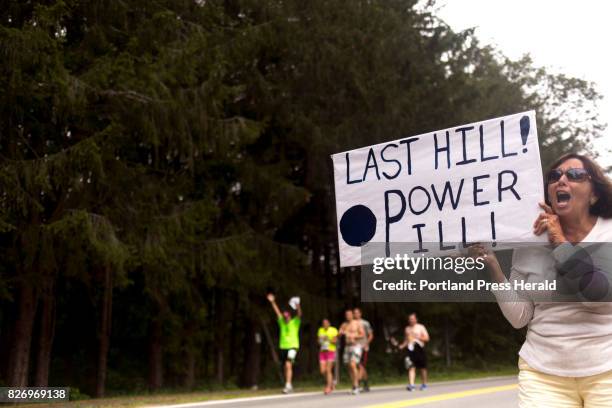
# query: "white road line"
{"type": "Point", "coordinates": [304, 394]}
{"type": "Point", "coordinates": [235, 400]}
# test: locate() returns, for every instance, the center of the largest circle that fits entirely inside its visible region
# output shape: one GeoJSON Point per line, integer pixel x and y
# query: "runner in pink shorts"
{"type": "Point", "coordinates": [327, 335]}
{"type": "Point", "coordinates": [327, 356]}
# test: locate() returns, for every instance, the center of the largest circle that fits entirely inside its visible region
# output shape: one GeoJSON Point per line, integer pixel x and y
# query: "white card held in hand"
{"type": "Point", "coordinates": [294, 302]}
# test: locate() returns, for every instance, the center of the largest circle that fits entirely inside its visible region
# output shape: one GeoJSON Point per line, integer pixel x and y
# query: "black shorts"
{"type": "Point", "coordinates": [285, 355]}
{"type": "Point", "coordinates": [418, 356]}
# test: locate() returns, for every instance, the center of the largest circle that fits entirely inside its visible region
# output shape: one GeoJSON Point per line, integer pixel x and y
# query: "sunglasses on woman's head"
{"type": "Point", "coordinates": [577, 174]}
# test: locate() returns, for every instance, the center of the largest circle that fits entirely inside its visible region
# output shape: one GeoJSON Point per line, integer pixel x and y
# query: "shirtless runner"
{"type": "Point", "coordinates": [353, 333]}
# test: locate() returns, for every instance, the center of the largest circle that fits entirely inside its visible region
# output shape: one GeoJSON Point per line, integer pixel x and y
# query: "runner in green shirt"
{"type": "Point", "coordinates": [289, 339]}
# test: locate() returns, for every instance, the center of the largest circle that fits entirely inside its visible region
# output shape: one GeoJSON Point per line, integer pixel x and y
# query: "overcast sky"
{"type": "Point", "coordinates": [566, 36]}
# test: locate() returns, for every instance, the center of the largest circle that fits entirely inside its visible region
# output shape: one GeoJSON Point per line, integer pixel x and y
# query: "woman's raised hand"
{"type": "Point", "coordinates": [478, 250]}
{"type": "Point", "coordinates": [549, 221]}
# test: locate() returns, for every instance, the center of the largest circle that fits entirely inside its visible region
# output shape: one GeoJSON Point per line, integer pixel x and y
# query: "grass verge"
{"type": "Point", "coordinates": [168, 398]}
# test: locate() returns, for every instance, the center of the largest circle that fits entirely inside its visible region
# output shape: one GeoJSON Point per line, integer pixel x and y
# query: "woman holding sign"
{"type": "Point", "coordinates": [566, 360]}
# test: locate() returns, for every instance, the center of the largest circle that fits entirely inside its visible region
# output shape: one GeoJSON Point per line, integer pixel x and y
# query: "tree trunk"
{"type": "Point", "coordinates": [220, 362]}
{"type": "Point", "coordinates": [313, 345]}
{"type": "Point", "coordinates": [190, 355]}
{"type": "Point", "coordinates": [272, 348]}
{"type": "Point", "coordinates": [5, 339]}
{"type": "Point", "coordinates": [189, 382]}
{"type": "Point", "coordinates": [104, 330]}
{"type": "Point", "coordinates": [155, 355]}
{"type": "Point", "coordinates": [46, 333]}
{"type": "Point", "coordinates": [447, 341]}
{"type": "Point", "coordinates": [220, 336]}
{"type": "Point", "coordinates": [252, 361]}
{"type": "Point", "coordinates": [339, 286]}
{"type": "Point", "coordinates": [209, 357]}
{"type": "Point", "coordinates": [233, 355]}
{"type": "Point", "coordinates": [327, 270]}
{"type": "Point", "coordinates": [206, 359]}
{"type": "Point", "coordinates": [19, 356]}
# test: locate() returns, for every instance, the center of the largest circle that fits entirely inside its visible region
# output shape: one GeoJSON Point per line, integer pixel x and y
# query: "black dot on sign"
{"type": "Point", "coordinates": [357, 225]}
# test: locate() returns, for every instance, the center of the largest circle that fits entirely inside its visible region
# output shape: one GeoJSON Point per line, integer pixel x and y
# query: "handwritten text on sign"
{"type": "Point", "coordinates": [474, 183]}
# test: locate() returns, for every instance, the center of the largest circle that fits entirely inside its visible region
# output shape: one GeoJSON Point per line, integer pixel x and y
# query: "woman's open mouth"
{"type": "Point", "coordinates": [563, 199]}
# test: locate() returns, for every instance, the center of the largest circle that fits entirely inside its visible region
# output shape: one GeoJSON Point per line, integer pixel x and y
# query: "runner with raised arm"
{"type": "Point", "coordinates": [289, 339]}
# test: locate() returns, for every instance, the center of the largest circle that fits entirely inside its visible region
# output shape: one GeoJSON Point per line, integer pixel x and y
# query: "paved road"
{"type": "Point", "coordinates": [500, 392]}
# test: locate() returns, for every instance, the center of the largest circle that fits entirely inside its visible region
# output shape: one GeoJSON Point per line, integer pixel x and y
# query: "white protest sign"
{"type": "Point", "coordinates": [480, 182]}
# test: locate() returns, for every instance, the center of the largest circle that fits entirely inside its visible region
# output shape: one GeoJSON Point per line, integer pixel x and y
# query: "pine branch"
{"type": "Point", "coordinates": [129, 94]}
